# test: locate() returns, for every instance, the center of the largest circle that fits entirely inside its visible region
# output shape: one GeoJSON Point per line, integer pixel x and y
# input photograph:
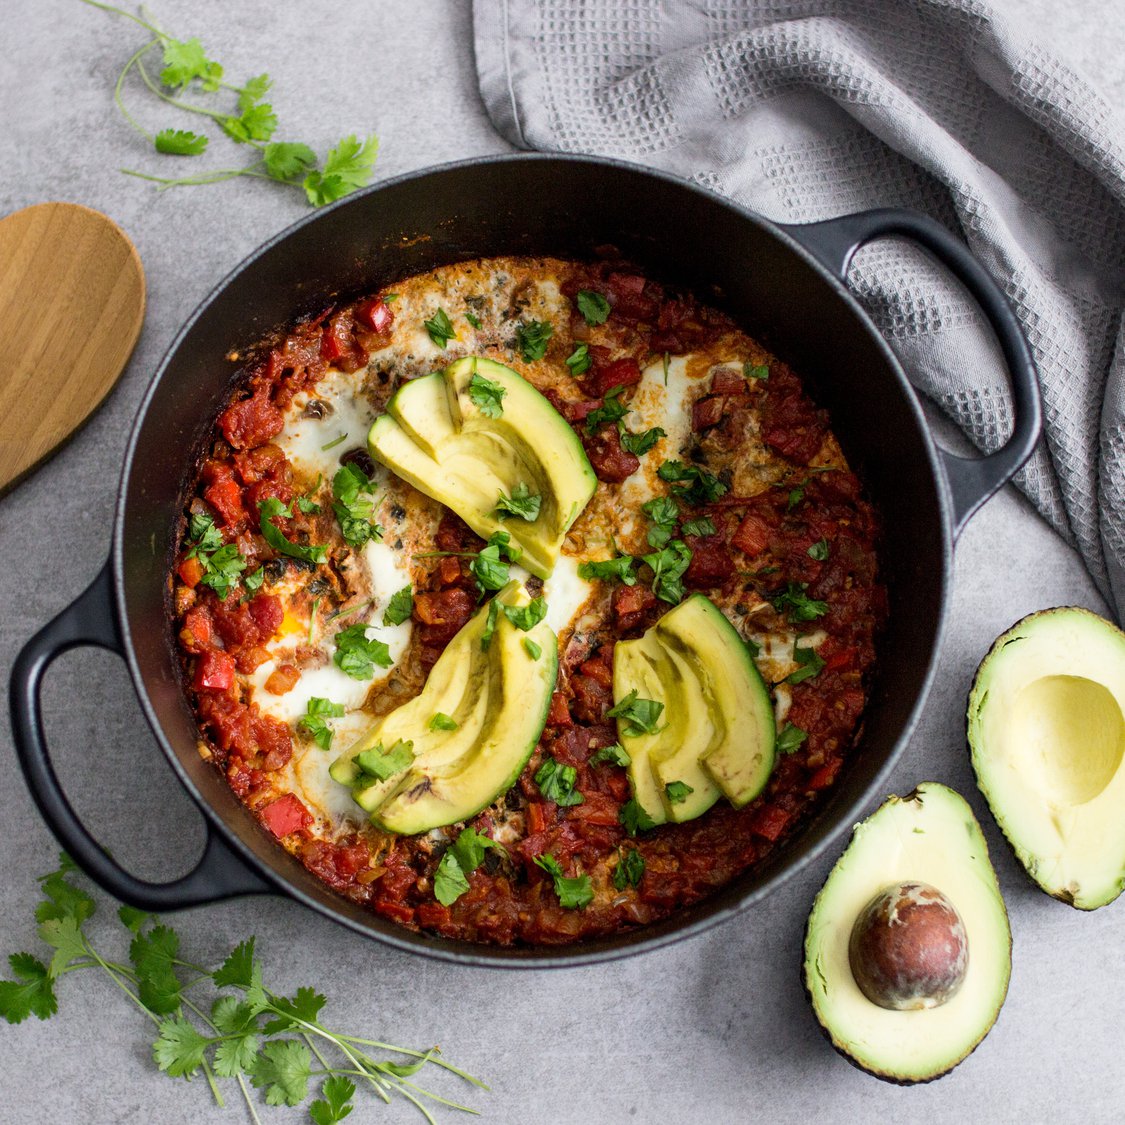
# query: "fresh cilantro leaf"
{"type": "Point", "coordinates": [356, 655]}
{"type": "Point", "coordinates": [640, 444]}
{"type": "Point", "coordinates": [306, 503]}
{"type": "Point", "coordinates": [490, 625]}
{"type": "Point", "coordinates": [253, 91]}
{"type": "Point", "coordinates": [253, 581]}
{"type": "Point", "coordinates": [526, 617]}
{"type": "Point", "coordinates": [255, 123]}
{"type": "Point", "coordinates": [380, 763]}
{"type": "Point", "coordinates": [153, 956]}
{"type": "Point", "coordinates": [223, 569]}
{"type": "Point", "coordinates": [473, 319]}
{"type": "Point", "coordinates": [63, 899]}
{"type": "Point", "coordinates": [268, 510]}
{"type": "Point", "coordinates": [442, 721]}
{"type": "Point", "coordinates": [488, 568]}
{"type": "Point", "coordinates": [333, 443]}
{"type": "Point", "coordinates": [797, 605]}
{"type": "Point", "coordinates": [346, 167]}
{"type": "Point", "coordinates": [533, 650]}
{"type": "Point", "coordinates": [620, 568]}
{"type": "Point", "coordinates": [400, 607]}
{"type": "Point", "coordinates": [132, 918]}
{"type": "Point", "coordinates": [532, 339]}
{"type": "Point", "coordinates": [593, 306]}
{"type": "Point", "coordinates": [668, 567]}
{"type": "Point", "coordinates": [612, 409]}
{"type": "Point", "coordinates": [810, 664]}
{"type": "Point", "coordinates": [313, 721]}
{"type": "Point", "coordinates": [30, 994]}
{"type": "Point", "coordinates": [574, 893]}
{"type": "Point", "coordinates": [336, 1103]}
{"type": "Point", "coordinates": [704, 487]}
{"type": "Point", "coordinates": [64, 936]}
{"type": "Point", "coordinates": [579, 360]}
{"type": "Point", "coordinates": [232, 1016]}
{"type": "Point", "coordinates": [239, 970]}
{"type": "Point", "coordinates": [287, 160]}
{"type": "Point", "coordinates": [556, 782]}
{"type": "Point", "coordinates": [282, 1068]}
{"type": "Point", "coordinates": [752, 647]}
{"type": "Point", "coordinates": [639, 716]}
{"type": "Point", "coordinates": [486, 396]}
{"type": "Point", "coordinates": [705, 526]}
{"type": "Point", "coordinates": [634, 817]}
{"type": "Point", "coordinates": [756, 371]}
{"type": "Point", "coordinates": [796, 495]}
{"type": "Point", "coordinates": [440, 328]}
{"type": "Point", "coordinates": [630, 869]}
{"type": "Point", "coordinates": [470, 847]}
{"type": "Point", "coordinates": [185, 60]}
{"type": "Point", "coordinates": [522, 503]}
{"type": "Point", "coordinates": [236, 1056]}
{"type": "Point", "coordinates": [615, 753]}
{"type": "Point", "coordinates": [180, 142]}
{"type": "Point", "coordinates": [450, 882]}
{"type": "Point", "coordinates": [819, 550]}
{"type": "Point", "coordinates": [178, 1050]}
{"type": "Point", "coordinates": [302, 1007]}
{"type": "Point", "coordinates": [353, 513]}
{"type": "Point", "coordinates": [206, 535]}
{"type": "Point", "coordinates": [678, 791]}
{"type": "Point", "coordinates": [790, 739]}
{"type": "Point", "coordinates": [663, 511]}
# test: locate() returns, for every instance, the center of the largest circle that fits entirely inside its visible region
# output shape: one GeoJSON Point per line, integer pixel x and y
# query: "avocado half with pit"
{"type": "Point", "coordinates": [908, 950]}
{"type": "Point", "coordinates": [715, 735]}
{"type": "Point", "coordinates": [477, 431]}
{"type": "Point", "coordinates": [493, 693]}
{"type": "Point", "coordinates": [1047, 740]}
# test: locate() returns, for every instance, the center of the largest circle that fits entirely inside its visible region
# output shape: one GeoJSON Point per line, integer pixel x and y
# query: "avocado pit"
{"type": "Point", "coordinates": [908, 948]}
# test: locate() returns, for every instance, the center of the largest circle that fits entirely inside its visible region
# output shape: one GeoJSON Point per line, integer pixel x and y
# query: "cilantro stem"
{"type": "Point", "coordinates": [129, 16]}
{"type": "Point", "coordinates": [118, 101]}
{"type": "Point", "coordinates": [436, 1059]}
{"type": "Point", "coordinates": [211, 1082]}
{"type": "Point", "coordinates": [212, 113]}
{"type": "Point", "coordinates": [207, 178]}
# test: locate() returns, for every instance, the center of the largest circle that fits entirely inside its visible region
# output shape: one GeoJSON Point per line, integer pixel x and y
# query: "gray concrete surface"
{"type": "Point", "coordinates": [714, 1029]}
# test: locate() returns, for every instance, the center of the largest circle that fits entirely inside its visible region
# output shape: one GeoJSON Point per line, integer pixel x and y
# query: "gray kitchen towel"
{"type": "Point", "coordinates": [808, 109]}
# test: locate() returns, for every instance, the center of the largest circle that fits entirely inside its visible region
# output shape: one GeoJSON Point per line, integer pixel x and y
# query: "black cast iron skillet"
{"type": "Point", "coordinates": [782, 284]}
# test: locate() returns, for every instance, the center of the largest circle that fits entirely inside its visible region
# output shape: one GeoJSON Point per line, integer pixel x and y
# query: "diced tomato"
{"type": "Point", "coordinates": [446, 607]}
{"type": "Point", "coordinates": [197, 630]}
{"type": "Point", "coordinates": [600, 668]}
{"type": "Point", "coordinates": [214, 671]}
{"type": "Point", "coordinates": [272, 738]}
{"type": "Point", "coordinates": [536, 816]}
{"type": "Point", "coordinates": [840, 661]}
{"type": "Point", "coordinates": [285, 816]}
{"type": "Point", "coordinates": [267, 613]}
{"type": "Point", "coordinates": [770, 821]}
{"type": "Point", "coordinates": [559, 714]}
{"type": "Point", "coordinates": [283, 679]}
{"type": "Point", "coordinates": [375, 314]}
{"type": "Point", "coordinates": [631, 604]}
{"type": "Point", "coordinates": [628, 298]}
{"type": "Point", "coordinates": [711, 564]}
{"type": "Point", "coordinates": [824, 776]}
{"type": "Point", "coordinates": [226, 498]}
{"type": "Point", "coordinates": [449, 571]}
{"type": "Point", "coordinates": [394, 910]}
{"type": "Point", "coordinates": [727, 382]}
{"type": "Point", "coordinates": [752, 536]}
{"type": "Point", "coordinates": [625, 372]}
{"type": "Point", "coordinates": [190, 571]}
{"type": "Point", "coordinates": [251, 421]}
{"type": "Point", "coordinates": [610, 462]}
{"type": "Point", "coordinates": [264, 462]}
{"type": "Point", "coordinates": [707, 412]}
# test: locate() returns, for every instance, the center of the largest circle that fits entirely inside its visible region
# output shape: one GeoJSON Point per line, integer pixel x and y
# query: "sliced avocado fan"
{"type": "Point", "coordinates": [478, 433]}
{"type": "Point", "coordinates": [1047, 737]}
{"type": "Point", "coordinates": [714, 734]}
{"type": "Point", "coordinates": [412, 775]}
{"type": "Point", "coordinates": [930, 845]}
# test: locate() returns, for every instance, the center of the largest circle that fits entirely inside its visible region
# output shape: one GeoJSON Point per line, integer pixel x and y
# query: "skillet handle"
{"type": "Point", "coordinates": [90, 620]}
{"type": "Point", "coordinates": [971, 480]}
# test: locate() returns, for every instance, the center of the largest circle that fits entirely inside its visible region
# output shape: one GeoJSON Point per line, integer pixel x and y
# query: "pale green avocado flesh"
{"type": "Point", "coordinates": [716, 733]}
{"type": "Point", "coordinates": [1047, 738]}
{"type": "Point", "coordinates": [498, 696]}
{"type": "Point", "coordinates": [930, 837]}
{"type": "Point", "coordinates": [437, 438]}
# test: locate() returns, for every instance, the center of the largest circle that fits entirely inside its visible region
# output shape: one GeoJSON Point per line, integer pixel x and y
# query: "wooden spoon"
{"type": "Point", "coordinates": [72, 298]}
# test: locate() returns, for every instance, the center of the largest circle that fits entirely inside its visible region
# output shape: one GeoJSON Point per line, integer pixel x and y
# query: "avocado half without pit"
{"type": "Point", "coordinates": [908, 950]}
{"type": "Point", "coordinates": [1047, 740]}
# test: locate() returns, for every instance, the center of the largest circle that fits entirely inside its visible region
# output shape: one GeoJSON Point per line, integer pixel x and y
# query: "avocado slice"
{"type": "Point", "coordinates": [438, 439]}
{"type": "Point", "coordinates": [1047, 739]}
{"type": "Point", "coordinates": [928, 838]}
{"type": "Point", "coordinates": [498, 695]}
{"type": "Point", "coordinates": [717, 733]}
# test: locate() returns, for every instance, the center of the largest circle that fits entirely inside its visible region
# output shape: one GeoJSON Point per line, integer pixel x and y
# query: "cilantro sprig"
{"type": "Point", "coordinates": [250, 122]}
{"type": "Point", "coordinates": [462, 858]}
{"type": "Point", "coordinates": [222, 564]}
{"type": "Point", "coordinates": [639, 716]}
{"type": "Point", "coordinates": [573, 892]}
{"type": "Point", "coordinates": [223, 1023]}
{"type": "Point", "coordinates": [354, 513]}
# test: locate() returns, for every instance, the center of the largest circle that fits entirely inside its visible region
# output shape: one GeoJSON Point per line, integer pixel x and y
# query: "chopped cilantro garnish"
{"type": "Point", "coordinates": [556, 782]}
{"type": "Point", "coordinates": [400, 607]}
{"type": "Point", "coordinates": [612, 409]}
{"type": "Point", "coordinates": [593, 306]}
{"type": "Point", "coordinates": [668, 567]}
{"type": "Point", "coordinates": [380, 763]}
{"type": "Point", "coordinates": [819, 550]}
{"type": "Point", "coordinates": [489, 569]}
{"type": "Point", "coordinates": [620, 568]}
{"type": "Point", "coordinates": [526, 617]}
{"type": "Point", "coordinates": [268, 510]}
{"type": "Point", "coordinates": [615, 753]}
{"type": "Point", "coordinates": [704, 488]}
{"type": "Point", "coordinates": [640, 444]}
{"type": "Point", "coordinates": [639, 716]}
{"type": "Point", "coordinates": [440, 328]}
{"type": "Point", "coordinates": [634, 818]}
{"type": "Point", "coordinates": [678, 791]}
{"type": "Point", "coordinates": [486, 396]}
{"type": "Point", "coordinates": [490, 624]}
{"type": "Point", "coordinates": [532, 339]}
{"type": "Point", "coordinates": [533, 650]}
{"type": "Point", "coordinates": [579, 360]}
{"type": "Point", "coordinates": [450, 882]}
{"type": "Point", "coordinates": [473, 319]}
{"type": "Point", "coordinates": [574, 893]}
{"type": "Point", "coordinates": [222, 564]}
{"type": "Point", "coordinates": [312, 722]}
{"type": "Point", "coordinates": [756, 371]}
{"type": "Point", "coordinates": [810, 664]}
{"type": "Point", "coordinates": [797, 605]}
{"type": "Point", "coordinates": [253, 581]}
{"type": "Point", "coordinates": [704, 526]}
{"type": "Point", "coordinates": [442, 721]}
{"type": "Point", "coordinates": [354, 514]}
{"type": "Point", "coordinates": [790, 739]}
{"type": "Point", "coordinates": [630, 869]}
{"type": "Point", "coordinates": [356, 656]}
{"type": "Point", "coordinates": [522, 503]}
{"type": "Point", "coordinates": [663, 511]}
{"type": "Point", "coordinates": [470, 847]}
